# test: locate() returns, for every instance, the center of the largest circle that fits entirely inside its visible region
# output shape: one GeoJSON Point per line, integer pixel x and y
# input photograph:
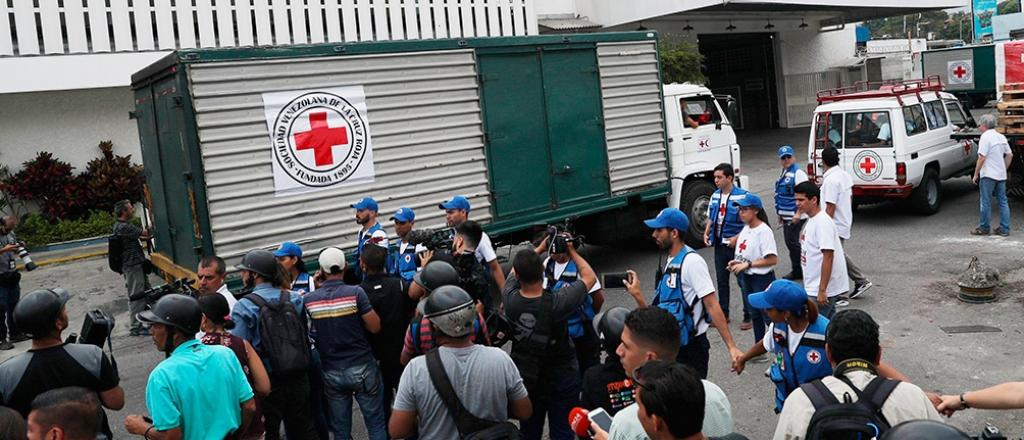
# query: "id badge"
{"type": "Point", "coordinates": [12, 264]}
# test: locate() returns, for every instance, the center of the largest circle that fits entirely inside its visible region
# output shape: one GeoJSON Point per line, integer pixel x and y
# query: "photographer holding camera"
{"type": "Point", "coordinates": [10, 289]}
{"type": "Point", "coordinates": [474, 278]}
{"type": "Point", "coordinates": [52, 363]}
{"type": "Point", "coordinates": [456, 212]}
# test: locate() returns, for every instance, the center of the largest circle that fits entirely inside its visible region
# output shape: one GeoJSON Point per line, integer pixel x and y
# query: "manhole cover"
{"type": "Point", "coordinates": [971, 329]}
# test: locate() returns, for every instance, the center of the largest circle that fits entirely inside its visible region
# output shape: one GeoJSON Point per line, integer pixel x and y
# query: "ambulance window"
{"type": "Point", "coordinates": [936, 114]}
{"type": "Point", "coordinates": [914, 120]}
{"type": "Point", "coordinates": [700, 109]}
{"type": "Point", "coordinates": [868, 129]}
{"type": "Point", "coordinates": [956, 114]}
{"type": "Point", "coordinates": [835, 130]}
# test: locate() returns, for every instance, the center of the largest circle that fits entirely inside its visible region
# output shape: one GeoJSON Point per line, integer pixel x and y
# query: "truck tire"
{"type": "Point", "coordinates": [927, 197]}
{"type": "Point", "coordinates": [694, 203]}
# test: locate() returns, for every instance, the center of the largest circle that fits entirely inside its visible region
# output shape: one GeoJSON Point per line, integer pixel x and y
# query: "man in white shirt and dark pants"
{"type": "Point", "coordinates": [821, 252]}
{"type": "Point", "coordinates": [836, 201]}
{"type": "Point", "coordinates": [994, 158]}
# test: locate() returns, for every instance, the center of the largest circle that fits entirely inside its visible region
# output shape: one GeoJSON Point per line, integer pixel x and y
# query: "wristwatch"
{"type": "Point", "coordinates": [963, 402]}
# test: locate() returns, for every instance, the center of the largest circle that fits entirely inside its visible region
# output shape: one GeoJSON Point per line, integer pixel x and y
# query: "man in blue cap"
{"type": "Point", "coordinates": [785, 206]}
{"type": "Point", "coordinates": [722, 230]}
{"type": "Point", "coordinates": [403, 263]}
{"type": "Point", "coordinates": [686, 291]}
{"type": "Point", "coordinates": [372, 232]}
{"type": "Point", "coordinates": [456, 211]}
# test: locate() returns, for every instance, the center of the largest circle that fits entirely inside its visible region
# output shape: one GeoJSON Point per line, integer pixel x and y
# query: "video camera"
{"type": "Point", "coordinates": [432, 239]}
{"type": "Point", "coordinates": [180, 285]}
{"type": "Point", "coordinates": [990, 433]}
{"type": "Point", "coordinates": [560, 236]}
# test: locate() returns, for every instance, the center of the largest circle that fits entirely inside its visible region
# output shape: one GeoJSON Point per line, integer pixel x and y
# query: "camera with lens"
{"type": "Point", "coordinates": [180, 285]}
{"type": "Point", "coordinates": [990, 433]}
{"type": "Point", "coordinates": [432, 239]}
{"type": "Point", "coordinates": [25, 258]}
{"type": "Point", "coordinates": [562, 235]}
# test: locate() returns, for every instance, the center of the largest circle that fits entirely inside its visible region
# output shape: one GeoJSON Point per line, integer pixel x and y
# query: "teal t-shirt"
{"type": "Point", "coordinates": [200, 388]}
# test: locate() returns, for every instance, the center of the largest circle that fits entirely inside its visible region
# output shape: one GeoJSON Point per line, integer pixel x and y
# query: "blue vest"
{"type": "Point", "coordinates": [669, 296]}
{"type": "Point", "coordinates": [807, 364]}
{"type": "Point", "coordinates": [359, 249]}
{"type": "Point", "coordinates": [785, 202]}
{"type": "Point", "coordinates": [403, 264]}
{"type": "Point", "coordinates": [585, 314]}
{"type": "Point", "coordinates": [732, 225]}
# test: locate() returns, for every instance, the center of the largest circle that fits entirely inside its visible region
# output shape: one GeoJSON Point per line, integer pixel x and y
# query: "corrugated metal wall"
{"type": "Point", "coordinates": [424, 118]}
{"type": "Point", "coordinates": [631, 94]}
{"type": "Point", "coordinates": [937, 63]}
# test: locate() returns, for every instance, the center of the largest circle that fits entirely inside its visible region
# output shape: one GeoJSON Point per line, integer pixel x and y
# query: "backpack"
{"type": "Point", "coordinates": [115, 253]}
{"type": "Point", "coordinates": [834, 420]}
{"type": "Point", "coordinates": [470, 426]}
{"type": "Point", "coordinates": [283, 336]}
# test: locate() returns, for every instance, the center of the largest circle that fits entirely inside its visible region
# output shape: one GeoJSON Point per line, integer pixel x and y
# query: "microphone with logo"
{"type": "Point", "coordinates": [580, 421]}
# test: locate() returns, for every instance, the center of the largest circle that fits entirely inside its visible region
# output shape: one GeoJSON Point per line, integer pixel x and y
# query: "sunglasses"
{"type": "Point", "coordinates": [636, 379]}
{"type": "Point", "coordinates": [786, 157]}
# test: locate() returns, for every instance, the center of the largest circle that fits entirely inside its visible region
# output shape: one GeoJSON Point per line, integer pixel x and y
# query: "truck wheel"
{"type": "Point", "coordinates": [926, 198]}
{"type": "Point", "coordinates": [694, 203]}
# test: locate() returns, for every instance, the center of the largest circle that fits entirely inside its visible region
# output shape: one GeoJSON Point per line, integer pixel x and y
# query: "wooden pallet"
{"type": "Point", "coordinates": [1013, 95]}
{"type": "Point", "coordinates": [1011, 87]}
{"type": "Point", "coordinates": [1010, 130]}
{"type": "Point", "coordinates": [1010, 104]}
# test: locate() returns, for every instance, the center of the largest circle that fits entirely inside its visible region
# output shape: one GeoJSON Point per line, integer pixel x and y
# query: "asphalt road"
{"type": "Point", "coordinates": [913, 261]}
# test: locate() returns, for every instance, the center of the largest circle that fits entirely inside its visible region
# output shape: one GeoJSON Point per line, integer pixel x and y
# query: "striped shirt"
{"type": "Point", "coordinates": [337, 313]}
{"type": "Point", "coordinates": [129, 235]}
{"type": "Point", "coordinates": [418, 339]}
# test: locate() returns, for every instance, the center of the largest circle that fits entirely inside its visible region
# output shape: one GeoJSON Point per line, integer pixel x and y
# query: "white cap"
{"type": "Point", "coordinates": [332, 257]}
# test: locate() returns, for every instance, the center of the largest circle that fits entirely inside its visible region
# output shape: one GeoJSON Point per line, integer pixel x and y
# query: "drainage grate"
{"type": "Point", "coordinates": [971, 329]}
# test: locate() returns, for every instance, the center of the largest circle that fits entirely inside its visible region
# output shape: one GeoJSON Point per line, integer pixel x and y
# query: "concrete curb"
{"type": "Point", "coordinates": [66, 259]}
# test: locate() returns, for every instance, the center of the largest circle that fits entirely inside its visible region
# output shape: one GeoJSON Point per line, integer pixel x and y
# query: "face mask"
{"type": "Point", "coordinates": [249, 281]}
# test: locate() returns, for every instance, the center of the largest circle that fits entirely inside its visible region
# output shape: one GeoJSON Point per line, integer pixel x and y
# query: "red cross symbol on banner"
{"type": "Point", "coordinates": [743, 246]}
{"type": "Point", "coordinates": [321, 138]}
{"type": "Point", "coordinates": [867, 165]}
{"type": "Point", "coordinates": [960, 71]}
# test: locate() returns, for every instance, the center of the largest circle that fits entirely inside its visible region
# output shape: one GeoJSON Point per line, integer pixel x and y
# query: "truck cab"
{"type": "Point", "coordinates": [700, 137]}
{"type": "Point", "coordinates": [893, 139]}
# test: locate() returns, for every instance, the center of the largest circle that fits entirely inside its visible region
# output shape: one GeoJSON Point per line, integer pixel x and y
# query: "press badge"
{"type": "Point", "coordinates": [671, 283]}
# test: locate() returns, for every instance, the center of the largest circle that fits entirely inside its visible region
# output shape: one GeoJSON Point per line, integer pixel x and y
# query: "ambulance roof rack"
{"type": "Point", "coordinates": [882, 89]}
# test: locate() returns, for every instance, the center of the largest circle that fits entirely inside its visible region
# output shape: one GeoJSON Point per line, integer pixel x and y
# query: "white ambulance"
{"type": "Point", "coordinates": [894, 139]}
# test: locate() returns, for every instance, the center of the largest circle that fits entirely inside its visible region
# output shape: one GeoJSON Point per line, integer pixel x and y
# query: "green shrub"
{"type": "Point", "coordinates": [680, 62]}
{"type": "Point", "coordinates": [37, 231]}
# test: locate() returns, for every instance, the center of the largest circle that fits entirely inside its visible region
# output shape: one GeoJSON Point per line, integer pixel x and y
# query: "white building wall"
{"type": "Point", "coordinates": [808, 51]}
{"type": "Point", "coordinates": [69, 124]}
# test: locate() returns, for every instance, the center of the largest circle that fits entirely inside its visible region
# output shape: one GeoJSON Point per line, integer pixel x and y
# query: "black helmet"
{"type": "Point", "coordinates": [260, 261]}
{"type": "Point", "coordinates": [451, 309]}
{"type": "Point", "coordinates": [609, 324]}
{"type": "Point", "coordinates": [175, 310]}
{"type": "Point", "coordinates": [923, 430]}
{"type": "Point", "coordinates": [436, 274]}
{"type": "Point", "coordinates": [499, 329]}
{"type": "Point", "coordinates": [36, 314]}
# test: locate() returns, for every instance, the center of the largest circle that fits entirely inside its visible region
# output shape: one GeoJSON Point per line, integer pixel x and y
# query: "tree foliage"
{"type": "Point", "coordinates": [680, 62]}
{"type": "Point", "coordinates": [936, 25]}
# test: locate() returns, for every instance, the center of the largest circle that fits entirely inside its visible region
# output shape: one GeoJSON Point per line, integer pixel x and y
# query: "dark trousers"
{"type": "Point", "coordinates": [288, 402]}
{"type": "Point", "coordinates": [554, 399]}
{"type": "Point", "coordinates": [695, 354]}
{"type": "Point", "coordinates": [588, 347]}
{"type": "Point", "coordinates": [791, 232]}
{"type": "Point", "coordinates": [723, 255]}
{"type": "Point", "coordinates": [316, 395]}
{"type": "Point", "coordinates": [754, 284]}
{"type": "Point", "coordinates": [9, 297]}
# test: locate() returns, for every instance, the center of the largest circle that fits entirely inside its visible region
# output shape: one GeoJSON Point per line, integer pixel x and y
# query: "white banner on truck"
{"type": "Point", "coordinates": [320, 139]}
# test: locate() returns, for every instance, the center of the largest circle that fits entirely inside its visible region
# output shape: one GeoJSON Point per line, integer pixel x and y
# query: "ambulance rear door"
{"type": "Point", "coordinates": [867, 148]}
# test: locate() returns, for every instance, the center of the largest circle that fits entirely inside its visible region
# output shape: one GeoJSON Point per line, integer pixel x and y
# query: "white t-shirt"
{"type": "Point", "coordinates": [223, 291]}
{"type": "Point", "coordinates": [837, 189]}
{"type": "Point", "coordinates": [755, 244]}
{"type": "Point", "coordinates": [884, 132]}
{"type": "Point", "coordinates": [695, 283]}
{"type": "Point", "coordinates": [993, 146]}
{"type": "Point", "coordinates": [792, 339]}
{"type": "Point", "coordinates": [559, 268]}
{"type": "Point", "coordinates": [820, 233]}
{"type": "Point", "coordinates": [485, 251]}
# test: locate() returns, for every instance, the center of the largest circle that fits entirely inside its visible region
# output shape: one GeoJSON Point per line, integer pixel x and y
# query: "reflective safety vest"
{"type": "Point", "coordinates": [363, 236]}
{"type": "Point", "coordinates": [403, 264]}
{"type": "Point", "coordinates": [669, 296]}
{"type": "Point", "coordinates": [585, 314]}
{"type": "Point", "coordinates": [785, 201]}
{"type": "Point", "coordinates": [732, 225]}
{"type": "Point", "coordinates": [807, 364]}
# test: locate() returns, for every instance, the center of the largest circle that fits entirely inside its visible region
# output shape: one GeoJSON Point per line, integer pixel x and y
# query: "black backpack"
{"type": "Point", "coordinates": [115, 253]}
{"type": "Point", "coordinates": [834, 420]}
{"type": "Point", "coordinates": [283, 336]}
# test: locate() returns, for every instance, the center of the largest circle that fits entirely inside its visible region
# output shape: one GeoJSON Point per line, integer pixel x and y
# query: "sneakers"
{"type": "Point", "coordinates": [6, 345]}
{"type": "Point", "coordinates": [19, 338]}
{"type": "Point", "coordinates": [859, 289]}
{"type": "Point", "coordinates": [1000, 232]}
{"type": "Point", "coordinates": [747, 324]}
{"type": "Point", "coordinates": [793, 276]}
{"type": "Point", "coordinates": [842, 303]}
{"type": "Point", "coordinates": [979, 231]}
{"type": "Point", "coordinates": [134, 332]}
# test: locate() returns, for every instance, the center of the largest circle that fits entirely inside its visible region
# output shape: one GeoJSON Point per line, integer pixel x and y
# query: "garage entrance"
{"type": "Point", "coordinates": [743, 65]}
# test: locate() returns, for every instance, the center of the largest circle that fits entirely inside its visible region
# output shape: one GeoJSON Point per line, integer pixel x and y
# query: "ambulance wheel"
{"type": "Point", "coordinates": [927, 197]}
{"type": "Point", "coordinates": [694, 203]}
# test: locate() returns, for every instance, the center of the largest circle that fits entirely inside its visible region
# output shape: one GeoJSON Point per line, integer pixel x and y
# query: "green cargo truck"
{"type": "Point", "coordinates": [250, 147]}
{"type": "Point", "coordinates": [969, 72]}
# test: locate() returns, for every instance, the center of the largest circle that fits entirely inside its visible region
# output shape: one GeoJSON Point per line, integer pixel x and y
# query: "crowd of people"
{"type": "Point", "coordinates": [414, 334]}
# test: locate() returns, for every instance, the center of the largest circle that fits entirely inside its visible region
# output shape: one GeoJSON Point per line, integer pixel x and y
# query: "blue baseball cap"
{"type": "Point", "coordinates": [366, 203]}
{"type": "Point", "coordinates": [404, 215]}
{"type": "Point", "coordinates": [781, 294]}
{"type": "Point", "coordinates": [786, 150]}
{"type": "Point", "coordinates": [288, 249]}
{"type": "Point", "coordinates": [456, 202]}
{"type": "Point", "coordinates": [748, 199]}
{"type": "Point", "coordinates": [669, 218]}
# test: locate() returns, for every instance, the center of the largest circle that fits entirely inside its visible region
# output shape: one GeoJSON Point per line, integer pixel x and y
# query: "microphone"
{"type": "Point", "coordinates": [579, 422]}
{"type": "Point", "coordinates": [418, 236]}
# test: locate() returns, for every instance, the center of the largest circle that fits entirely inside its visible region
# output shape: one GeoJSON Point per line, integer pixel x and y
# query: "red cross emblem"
{"type": "Point", "coordinates": [321, 138]}
{"type": "Point", "coordinates": [867, 165]}
{"type": "Point", "coordinates": [704, 143]}
{"type": "Point", "coordinates": [959, 71]}
{"type": "Point", "coordinates": [743, 246]}
{"type": "Point", "coordinates": [813, 357]}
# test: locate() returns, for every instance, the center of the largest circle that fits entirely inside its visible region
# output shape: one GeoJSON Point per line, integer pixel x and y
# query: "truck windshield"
{"type": "Point", "coordinates": [699, 109]}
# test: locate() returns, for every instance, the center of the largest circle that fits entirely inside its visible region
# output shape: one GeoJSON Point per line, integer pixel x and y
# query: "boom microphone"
{"type": "Point", "coordinates": [418, 236]}
{"type": "Point", "coordinates": [579, 422]}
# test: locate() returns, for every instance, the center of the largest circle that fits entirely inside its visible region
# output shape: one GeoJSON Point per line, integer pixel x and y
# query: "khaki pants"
{"type": "Point", "coordinates": [137, 281]}
{"type": "Point", "coordinates": [852, 270]}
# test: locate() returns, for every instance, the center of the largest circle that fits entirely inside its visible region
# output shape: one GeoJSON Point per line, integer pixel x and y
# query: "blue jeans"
{"type": "Point", "coordinates": [554, 398]}
{"type": "Point", "coordinates": [830, 310]}
{"type": "Point", "coordinates": [364, 382]}
{"type": "Point", "coordinates": [987, 186]}
{"type": "Point", "coordinates": [9, 297]}
{"type": "Point", "coordinates": [723, 255]}
{"type": "Point", "coordinates": [754, 284]}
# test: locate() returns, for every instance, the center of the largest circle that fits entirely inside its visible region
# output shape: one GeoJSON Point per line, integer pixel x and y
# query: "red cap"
{"type": "Point", "coordinates": [579, 422]}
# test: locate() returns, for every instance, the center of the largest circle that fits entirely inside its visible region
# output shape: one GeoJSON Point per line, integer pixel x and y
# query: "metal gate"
{"type": "Point", "coordinates": [801, 95]}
